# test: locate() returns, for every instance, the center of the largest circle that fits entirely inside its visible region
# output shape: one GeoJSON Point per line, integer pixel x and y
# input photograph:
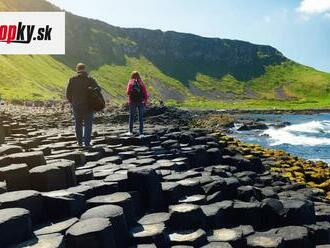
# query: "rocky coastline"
{"type": "Point", "coordinates": [185, 184]}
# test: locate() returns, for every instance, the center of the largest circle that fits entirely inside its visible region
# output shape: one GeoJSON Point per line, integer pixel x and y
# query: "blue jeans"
{"type": "Point", "coordinates": [132, 113]}
{"type": "Point", "coordinates": [83, 124]}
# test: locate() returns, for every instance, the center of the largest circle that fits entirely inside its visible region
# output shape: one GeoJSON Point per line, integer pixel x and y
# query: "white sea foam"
{"type": "Point", "coordinates": [296, 134]}
{"type": "Point", "coordinates": [310, 127]}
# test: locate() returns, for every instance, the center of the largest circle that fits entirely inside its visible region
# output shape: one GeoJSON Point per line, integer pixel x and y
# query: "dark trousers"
{"type": "Point", "coordinates": [132, 113]}
{"type": "Point", "coordinates": [83, 124]}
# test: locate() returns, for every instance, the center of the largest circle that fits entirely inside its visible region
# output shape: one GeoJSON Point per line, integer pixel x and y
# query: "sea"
{"type": "Point", "coordinates": [307, 136]}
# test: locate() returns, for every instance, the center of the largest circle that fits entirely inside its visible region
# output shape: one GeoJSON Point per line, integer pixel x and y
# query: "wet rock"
{"type": "Point", "coordinates": [252, 126]}
{"type": "Point", "coordinates": [84, 190]}
{"type": "Point", "coordinates": [172, 192]}
{"type": "Point", "coordinates": [216, 197]}
{"type": "Point", "coordinates": [216, 186]}
{"type": "Point", "coordinates": [232, 184]}
{"type": "Point", "coordinates": [32, 159]}
{"type": "Point", "coordinates": [191, 186]}
{"type": "Point", "coordinates": [217, 245]}
{"type": "Point", "coordinates": [3, 187]}
{"type": "Point", "coordinates": [246, 193]}
{"type": "Point", "coordinates": [121, 199]}
{"type": "Point", "coordinates": [116, 216]}
{"type": "Point", "coordinates": [16, 177]}
{"type": "Point", "coordinates": [294, 236]}
{"type": "Point", "coordinates": [147, 183]}
{"type": "Point", "coordinates": [191, 238]}
{"type": "Point", "coordinates": [322, 211]}
{"type": "Point", "coordinates": [186, 216]}
{"type": "Point", "coordinates": [110, 160]}
{"type": "Point", "coordinates": [246, 230]}
{"type": "Point", "coordinates": [54, 176]}
{"type": "Point", "coordinates": [155, 218]}
{"type": "Point", "coordinates": [84, 175]}
{"type": "Point", "coordinates": [267, 192]}
{"type": "Point", "coordinates": [193, 199]}
{"type": "Point", "coordinates": [197, 156]}
{"type": "Point", "coordinates": [298, 212]}
{"type": "Point", "coordinates": [91, 233]}
{"type": "Point", "coordinates": [2, 134]}
{"type": "Point", "coordinates": [150, 234]}
{"type": "Point", "coordinates": [15, 226]}
{"type": "Point", "coordinates": [246, 213]}
{"type": "Point", "coordinates": [59, 227]}
{"type": "Point", "coordinates": [244, 164]}
{"type": "Point", "coordinates": [49, 241]}
{"type": "Point", "coordinates": [120, 179]}
{"type": "Point", "coordinates": [28, 199]}
{"type": "Point", "coordinates": [259, 241]}
{"type": "Point", "coordinates": [319, 233]}
{"type": "Point", "coordinates": [10, 149]}
{"type": "Point", "coordinates": [64, 204]}
{"type": "Point", "coordinates": [232, 236]}
{"type": "Point", "coordinates": [215, 156]}
{"type": "Point", "coordinates": [76, 156]}
{"type": "Point", "coordinates": [272, 212]}
{"type": "Point", "coordinates": [100, 187]}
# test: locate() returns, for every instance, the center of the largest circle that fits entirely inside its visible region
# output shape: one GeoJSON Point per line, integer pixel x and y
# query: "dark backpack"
{"type": "Point", "coordinates": [136, 93]}
{"type": "Point", "coordinates": [95, 99]}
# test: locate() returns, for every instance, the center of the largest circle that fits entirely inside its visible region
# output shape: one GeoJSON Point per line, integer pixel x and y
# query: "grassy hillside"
{"type": "Point", "coordinates": [183, 69]}
{"type": "Point", "coordinates": [32, 77]}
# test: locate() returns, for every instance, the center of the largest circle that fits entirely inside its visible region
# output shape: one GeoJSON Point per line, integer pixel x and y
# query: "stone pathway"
{"type": "Point", "coordinates": [174, 188]}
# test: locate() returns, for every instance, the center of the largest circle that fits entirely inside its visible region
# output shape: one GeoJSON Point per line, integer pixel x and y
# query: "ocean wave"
{"type": "Point", "coordinates": [310, 127]}
{"type": "Point", "coordinates": [296, 134]}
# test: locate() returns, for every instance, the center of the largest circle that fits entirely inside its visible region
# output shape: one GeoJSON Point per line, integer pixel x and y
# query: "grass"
{"type": "Point", "coordinates": [113, 78]}
{"type": "Point", "coordinates": [227, 84]}
{"type": "Point", "coordinates": [297, 80]}
{"type": "Point", "coordinates": [43, 77]}
{"type": "Point", "coordinates": [202, 103]}
{"type": "Point", "coordinates": [32, 77]}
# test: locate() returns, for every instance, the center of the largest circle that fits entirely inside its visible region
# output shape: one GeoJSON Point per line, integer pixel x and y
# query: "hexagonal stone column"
{"type": "Point", "coordinates": [15, 226]}
{"type": "Point", "coordinates": [91, 233]}
{"type": "Point", "coordinates": [116, 216]}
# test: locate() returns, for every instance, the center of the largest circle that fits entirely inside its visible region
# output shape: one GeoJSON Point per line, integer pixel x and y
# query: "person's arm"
{"type": "Point", "coordinates": [94, 84]}
{"type": "Point", "coordinates": [129, 88]}
{"type": "Point", "coordinates": [145, 93]}
{"type": "Point", "coordinates": [69, 91]}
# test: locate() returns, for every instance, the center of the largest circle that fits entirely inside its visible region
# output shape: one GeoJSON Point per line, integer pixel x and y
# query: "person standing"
{"type": "Point", "coordinates": [137, 100]}
{"type": "Point", "coordinates": [77, 95]}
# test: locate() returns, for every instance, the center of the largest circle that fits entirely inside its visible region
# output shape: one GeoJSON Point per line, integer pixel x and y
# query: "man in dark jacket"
{"type": "Point", "coordinates": [77, 95]}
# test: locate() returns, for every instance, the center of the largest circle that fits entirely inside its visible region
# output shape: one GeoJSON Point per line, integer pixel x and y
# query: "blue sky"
{"type": "Point", "coordinates": [298, 28]}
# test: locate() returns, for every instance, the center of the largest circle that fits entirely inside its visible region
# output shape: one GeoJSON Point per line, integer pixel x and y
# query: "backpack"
{"type": "Point", "coordinates": [136, 94]}
{"type": "Point", "coordinates": [96, 101]}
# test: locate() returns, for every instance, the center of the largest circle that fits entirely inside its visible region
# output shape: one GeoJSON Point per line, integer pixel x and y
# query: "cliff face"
{"type": "Point", "coordinates": [183, 55]}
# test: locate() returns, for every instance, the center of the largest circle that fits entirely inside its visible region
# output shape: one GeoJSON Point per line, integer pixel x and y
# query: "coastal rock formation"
{"type": "Point", "coordinates": [177, 186]}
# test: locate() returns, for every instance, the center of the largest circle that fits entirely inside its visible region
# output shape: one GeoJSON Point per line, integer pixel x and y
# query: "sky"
{"type": "Point", "coordinates": [300, 29]}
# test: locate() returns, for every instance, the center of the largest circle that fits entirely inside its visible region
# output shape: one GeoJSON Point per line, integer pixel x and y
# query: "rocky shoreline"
{"type": "Point", "coordinates": [179, 186]}
{"type": "Point", "coordinates": [266, 111]}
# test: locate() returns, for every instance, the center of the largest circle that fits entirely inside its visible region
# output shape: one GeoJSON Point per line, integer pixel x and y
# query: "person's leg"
{"type": "Point", "coordinates": [88, 127]}
{"type": "Point", "coordinates": [132, 113]}
{"type": "Point", "coordinates": [141, 112]}
{"type": "Point", "coordinates": [78, 121]}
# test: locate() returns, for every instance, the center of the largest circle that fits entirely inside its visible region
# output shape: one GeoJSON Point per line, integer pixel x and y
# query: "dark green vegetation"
{"type": "Point", "coordinates": [183, 69]}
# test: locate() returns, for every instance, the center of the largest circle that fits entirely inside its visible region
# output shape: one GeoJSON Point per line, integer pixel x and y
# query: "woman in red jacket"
{"type": "Point", "coordinates": [137, 100]}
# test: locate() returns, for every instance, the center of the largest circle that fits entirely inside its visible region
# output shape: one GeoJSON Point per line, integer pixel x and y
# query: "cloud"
{"type": "Point", "coordinates": [314, 7]}
{"type": "Point", "coordinates": [267, 19]}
